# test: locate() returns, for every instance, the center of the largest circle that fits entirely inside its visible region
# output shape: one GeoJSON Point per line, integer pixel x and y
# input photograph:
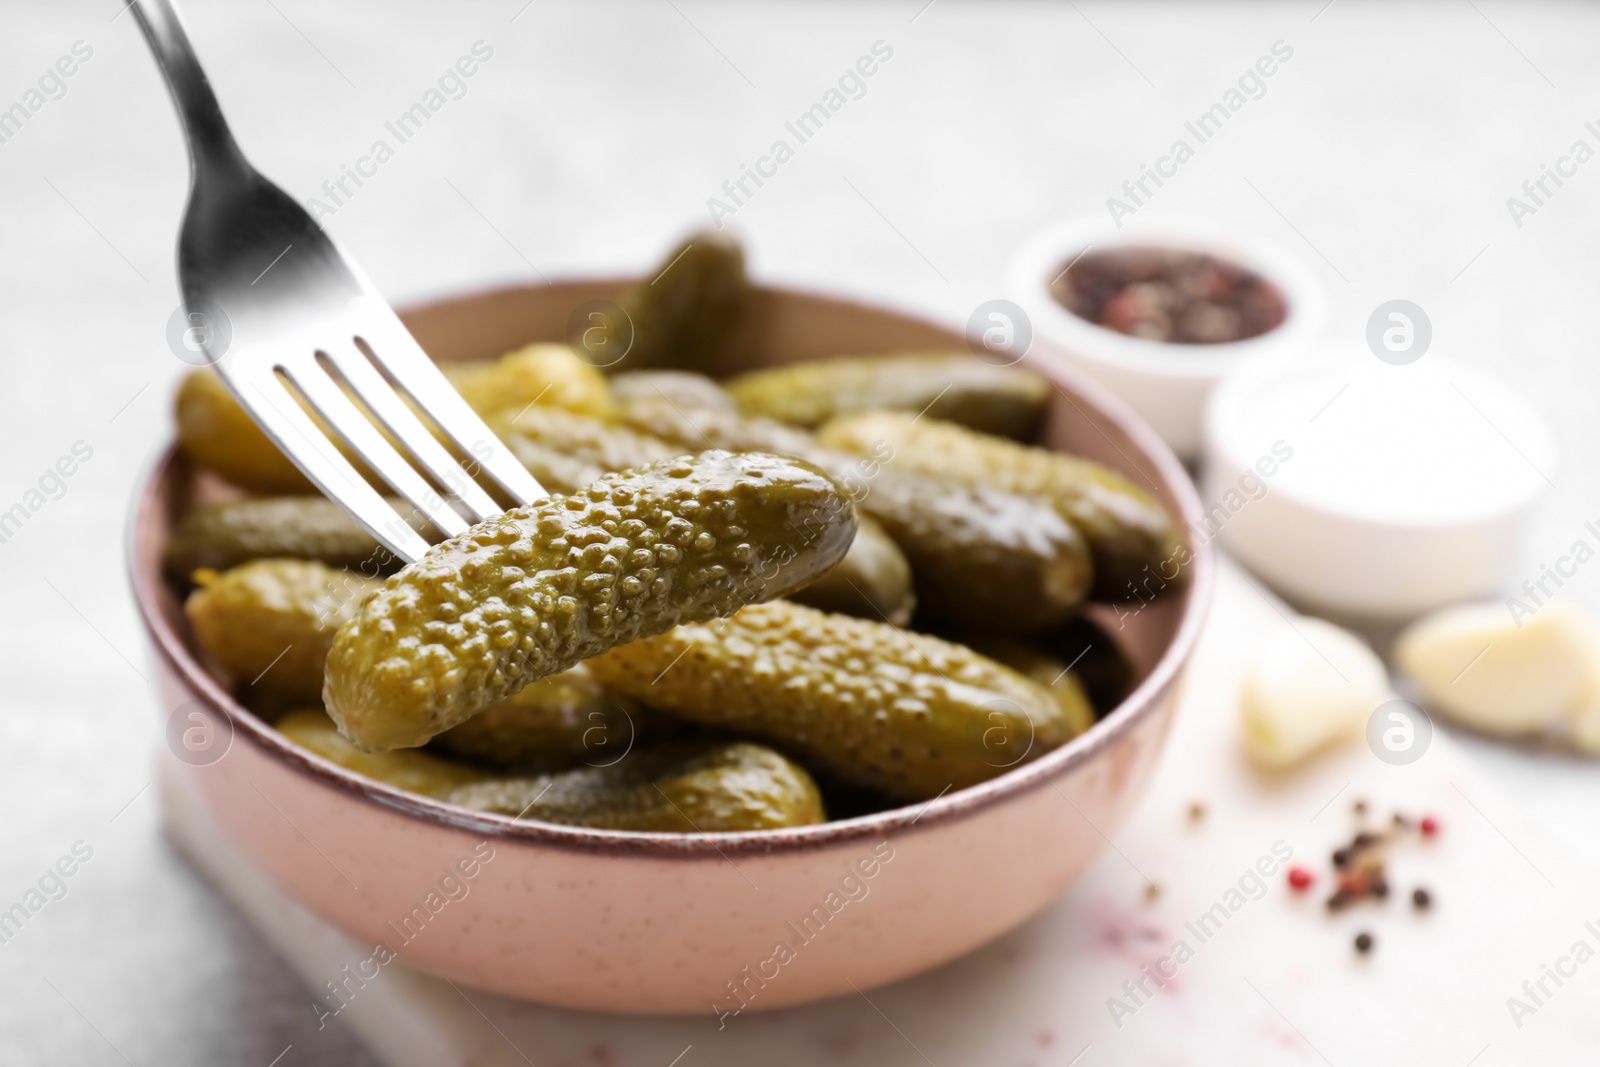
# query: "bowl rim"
{"type": "Point", "coordinates": [1029, 277]}
{"type": "Point", "coordinates": [146, 578]}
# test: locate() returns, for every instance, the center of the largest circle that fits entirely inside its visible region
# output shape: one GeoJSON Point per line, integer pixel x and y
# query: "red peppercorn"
{"type": "Point", "coordinates": [1430, 825]}
{"type": "Point", "coordinates": [1300, 879]}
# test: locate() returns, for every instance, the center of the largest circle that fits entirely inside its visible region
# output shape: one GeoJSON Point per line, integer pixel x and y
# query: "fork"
{"type": "Point", "coordinates": [289, 315]}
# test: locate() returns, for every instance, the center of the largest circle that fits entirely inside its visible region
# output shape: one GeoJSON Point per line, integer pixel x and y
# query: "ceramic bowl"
{"type": "Point", "coordinates": [1165, 383]}
{"type": "Point", "coordinates": [668, 923]}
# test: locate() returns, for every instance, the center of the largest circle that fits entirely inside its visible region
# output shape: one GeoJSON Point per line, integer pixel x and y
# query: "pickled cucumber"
{"type": "Point", "coordinates": [684, 313]}
{"type": "Point", "coordinates": [220, 536]}
{"type": "Point", "coordinates": [533, 591]}
{"type": "Point", "coordinates": [1135, 548]}
{"type": "Point", "coordinates": [1054, 675]}
{"type": "Point", "coordinates": [979, 555]}
{"type": "Point", "coordinates": [554, 723]}
{"type": "Point", "coordinates": [544, 375]}
{"type": "Point", "coordinates": [601, 446]}
{"type": "Point", "coordinates": [954, 386]}
{"type": "Point", "coordinates": [1098, 663]}
{"type": "Point", "coordinates": [901, 712]}
{"type": "Point", "coordinates": [415, 772]}
{"type": "Point", "coordinates": [270, 622]}
{"type": "Point", "coordinates": [873, 581]}
{"type": "Point", "coordinates": [214, 432]}
{"type": "Point", "coordinates": [706, 427]}
{"type": "Point", "coordinates": [566, 451]}
{"type": "Point", "coordinates": [682, 787]}
{"type": "Point", "coordinates": [687, 389]}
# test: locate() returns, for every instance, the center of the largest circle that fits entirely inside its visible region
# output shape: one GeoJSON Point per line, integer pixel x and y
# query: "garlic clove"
{"type": "Point", "coordinates": [1474, 664]}
{"type": "Point", "coordinates": [1309, 685]}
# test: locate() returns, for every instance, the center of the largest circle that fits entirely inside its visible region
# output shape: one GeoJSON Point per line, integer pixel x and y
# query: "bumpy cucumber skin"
{"type": "Point", "coordinates": [873, 581]}
{"type": "Point", "coordinates": [684, 312]}
{"type": "Point", "coordinates": [220, 536]}
{"type": "Point", "coordinates": [552, 724]}
{"type": "Point", "coordinates": [536, 375]}
{"type": "Point", "coordinates": [214, 432]}
{"type": "Point", "coordinates": [683, 787]}
{"type": "Point", "coordinates": [877, 706]}
{"type": "Point", "coordinates": [270, 622]}
{"type": "Point", "coordinates": [532, 592]}
{"type": "Point", "coordinates": [1130, 536]}
{"type": "Point", "coordinates": [415, 772]}
{"type": "Point", "coordinates": [687, 389]}
{"type": "Point", "coordinates": [954, 386]}
{"type": "Point", "coordinates": [979, 556]}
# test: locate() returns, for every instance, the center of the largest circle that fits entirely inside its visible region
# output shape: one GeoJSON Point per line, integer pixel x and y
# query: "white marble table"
{"type": "Point", "coordinates": [1383, 152]}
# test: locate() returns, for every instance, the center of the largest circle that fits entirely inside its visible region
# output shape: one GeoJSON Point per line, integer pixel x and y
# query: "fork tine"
{"type": "Point", "coordinates": [409, 430]}
{"type": "Point", "coordinates": [397, 352]}
{"type": "Point", "coordinates": [339, 412]}
{"type": "Point", "coordinates": [302, 440]}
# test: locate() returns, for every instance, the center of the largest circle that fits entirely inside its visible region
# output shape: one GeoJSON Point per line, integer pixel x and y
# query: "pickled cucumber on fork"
{"type": "Point", "coordinates": [532, 592]}
{"type": "Point", "coordinates": [955, 386]}
{"type": "Point", "coordinates": [877, 706]}
{"type": "Point", "coordinates": [270, 622]}
{"type": "Point", "coordinates": [679, 787]}
{"type": "Point", "coordinates": [566, 450]}
{"type": "Point", "coordinates": [1130, 536]}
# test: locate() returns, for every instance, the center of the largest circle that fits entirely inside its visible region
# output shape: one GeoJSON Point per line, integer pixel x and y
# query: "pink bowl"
{"type": "Point", "coordinates": [666, 923]}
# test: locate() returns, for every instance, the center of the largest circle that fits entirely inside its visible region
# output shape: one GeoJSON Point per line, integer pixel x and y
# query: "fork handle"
{"type": "Point", "coordinates": [211, 144]}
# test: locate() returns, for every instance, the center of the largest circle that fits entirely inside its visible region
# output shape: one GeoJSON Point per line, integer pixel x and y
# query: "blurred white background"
{"type": "Point", "coordinates": [1383, 153]}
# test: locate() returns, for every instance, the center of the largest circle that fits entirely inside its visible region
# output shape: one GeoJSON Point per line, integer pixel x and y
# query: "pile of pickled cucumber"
{"type": "Point", "coordinates": [752, 601]}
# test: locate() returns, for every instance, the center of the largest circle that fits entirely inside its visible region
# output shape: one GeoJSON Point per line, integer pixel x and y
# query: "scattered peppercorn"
{"type": "Point", "coordinates": [1341, 857]}
{"type": "Point", "coordinates": [1380, 888]}
{"type": "Point", "coordinates": [1360, 807]}
{"type": "Point", "coordinates": [1421, 899]}
{"type": "Point", "coordinates": [1363, 942]}
{"type": "Point", "coordinates": [1300, 879]}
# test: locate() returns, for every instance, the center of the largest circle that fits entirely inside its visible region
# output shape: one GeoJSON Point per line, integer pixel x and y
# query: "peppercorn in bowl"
{"type": "Point", "coordinates": [775, 684]}
{"type": "Point", "coordinates": [1159, 307]}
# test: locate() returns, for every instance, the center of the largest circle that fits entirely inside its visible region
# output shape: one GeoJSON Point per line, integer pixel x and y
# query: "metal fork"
{"type": "Point", "coordinates": [299, 312]}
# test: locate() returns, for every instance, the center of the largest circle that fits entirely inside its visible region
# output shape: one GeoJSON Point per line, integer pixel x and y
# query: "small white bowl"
{"type": "Point", "coordinates": [1372, 490]}
{"type": "Point", "coordinates": [1165, 383]}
